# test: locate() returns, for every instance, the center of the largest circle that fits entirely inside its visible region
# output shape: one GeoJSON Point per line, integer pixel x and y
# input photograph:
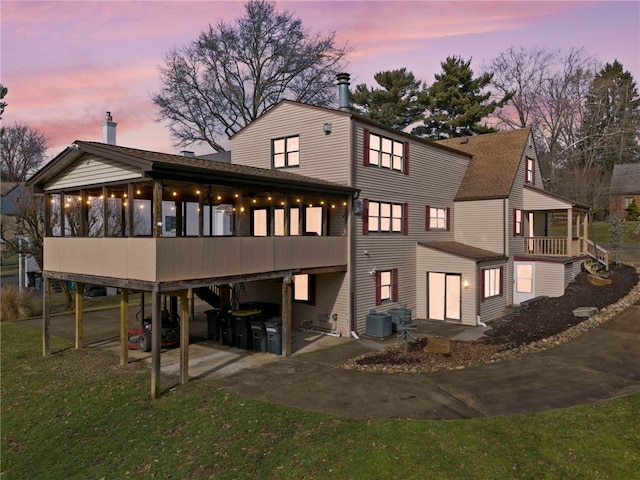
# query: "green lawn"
{"type": "Point", "coordinates": [598, 231]}
{"type": "Point", "coordinates": [76, 415]}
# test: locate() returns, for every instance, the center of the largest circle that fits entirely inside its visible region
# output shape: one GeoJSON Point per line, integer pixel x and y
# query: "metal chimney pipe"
{"type": "Point", "coordinates": [109, 130]}
{"type": "Point", "coordinates": [344, 103]}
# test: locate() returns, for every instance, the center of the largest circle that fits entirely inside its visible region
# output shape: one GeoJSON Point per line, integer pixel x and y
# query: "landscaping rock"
{"type": "Point", "coordinates": [599, 281]}
{"type": "Point", "coordinates": [585, 312]}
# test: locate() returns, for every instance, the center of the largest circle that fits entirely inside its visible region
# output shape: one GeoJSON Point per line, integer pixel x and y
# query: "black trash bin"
{"type": "Point", "coordinates": [227, 330]}
{"type": "Point", "coordinates": [213, 324]}
{"type": "Point", "coordinates": [241, 319]}
{"type": "Point", "coordinates": [258, 335]}
{"type": "Point", "coordinates": [273, 328]}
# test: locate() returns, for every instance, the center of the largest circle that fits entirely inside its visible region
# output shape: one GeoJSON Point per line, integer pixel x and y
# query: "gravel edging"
{"type": "Point", "coordinates": [442, 363]}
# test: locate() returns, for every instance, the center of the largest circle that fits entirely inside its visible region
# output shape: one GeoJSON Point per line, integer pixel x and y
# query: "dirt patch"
{"type": "Point", "coordinates": [541, 320]}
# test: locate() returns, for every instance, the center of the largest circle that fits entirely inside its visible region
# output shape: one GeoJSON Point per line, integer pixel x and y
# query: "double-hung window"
{"type": "Point", "coordinates": [492, 282]}
{"type": "Point", "coordinates": [286, 152]}
{"type": "Point", "coordinates": [517, 222]}
{"type": "Point", "coordinates": [529, 176]}
{"type": "Point", "coordinates": [386, 286]}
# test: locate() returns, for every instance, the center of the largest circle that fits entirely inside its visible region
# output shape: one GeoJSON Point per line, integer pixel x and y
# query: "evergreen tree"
{"type": "Point", "coordinates": [401, 101]}
{"type": "Point", "coordinates": [456, 105]}
{"type": "Point", "coordinates": [611, 123]}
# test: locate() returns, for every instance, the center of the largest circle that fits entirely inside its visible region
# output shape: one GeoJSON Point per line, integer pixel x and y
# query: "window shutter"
{"type": "Point", "coordinates": [312, 289]}
{"type": "Point", "coordinates": [448, 218]}
{"type": "Point", "coordinates": [514, 222]}
{"type": "Point", "coordinates": [365, 147]}
{"type": "Point", "coordinates": [501, 281]}
{"type": "Point", "coordinates": [427, 218]}
{"type": "Point", "coordinates": [405, 167]}
{"type": "Point", "coordinates": [378, 287]}
{"type": "Point", "coordinates": [394, 284]}
{"type": "Point", "coordinates": [405, 219]}
{"type": "Point", "coordinates": [365, 216]}
{"type": "Point", "coordinates": [482, 279]}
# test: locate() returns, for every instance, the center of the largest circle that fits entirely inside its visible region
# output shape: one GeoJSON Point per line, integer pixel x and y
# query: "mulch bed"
{"type": "Point", "coordinates": [543, 319]}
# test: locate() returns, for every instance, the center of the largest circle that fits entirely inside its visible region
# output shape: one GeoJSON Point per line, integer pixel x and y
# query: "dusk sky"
{"type": "Point", "coordinates": [66, 63]}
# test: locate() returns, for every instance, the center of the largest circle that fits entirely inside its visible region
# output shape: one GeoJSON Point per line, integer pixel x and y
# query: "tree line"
{"type": "Point", "coordinates": [585, 117]}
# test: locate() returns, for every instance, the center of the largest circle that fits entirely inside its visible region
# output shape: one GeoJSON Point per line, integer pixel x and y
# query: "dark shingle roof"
{"type": "Point", "coordinates": [625, 179]}
{"type": "Point", "coordinates": [493, 168]}
{"type": "Point", "coordinates": [165, 165]}
{"type": "Point", "coordinates": [464, 250]}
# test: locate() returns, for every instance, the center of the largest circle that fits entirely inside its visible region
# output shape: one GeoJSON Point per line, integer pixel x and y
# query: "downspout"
{"type": "Point", "coordinates": [351, 236]}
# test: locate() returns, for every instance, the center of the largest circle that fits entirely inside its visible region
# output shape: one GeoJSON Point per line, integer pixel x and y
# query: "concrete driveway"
{"type": "Point", "coordinates": [601, 364]}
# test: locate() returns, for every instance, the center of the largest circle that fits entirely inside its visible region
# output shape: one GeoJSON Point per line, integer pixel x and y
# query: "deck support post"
{"type": "Point", "coordinates": [79, 314]}
{"type": "Point", "coordinates": [569, 231]}
{"type": "Point", "coordinates": [156, 335]}
{"type": "Point", "coordinates": [124, 326]}
{"type": "Point", "coordinates": [286, 315]}
{"type": "Point", "coordinates": [46, 324]}
{"type": "Point", "coordinates": [184, 337]}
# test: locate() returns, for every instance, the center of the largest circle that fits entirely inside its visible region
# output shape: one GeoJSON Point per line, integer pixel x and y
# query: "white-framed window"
{"type": "Point", "coordinates": [517, 222]}
{"type": "Point", "coordinates": [524, 278]}
{"type": "Point", "coordinates": [286, 152]}
{"type": "Point", "coordinates": [260, 222]}
{"type": "Point", "coordinates": [530, 170]}
{"type": "Point", "coordinates": [627, 202]}
{"type": "Point", "coordinates": [385, 152]}
{"type": "Point", "coordinates": [385, 217]}
{"type": "Point", "coordinates": [437, 218]}
{"type": "Point", "coordinates": [385, 285]}
{"type": "Point", "coordinates": [492, 282]}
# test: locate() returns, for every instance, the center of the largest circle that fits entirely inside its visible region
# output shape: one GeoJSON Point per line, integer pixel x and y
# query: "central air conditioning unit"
{"type": "Point", "coordinates": [379, 325]}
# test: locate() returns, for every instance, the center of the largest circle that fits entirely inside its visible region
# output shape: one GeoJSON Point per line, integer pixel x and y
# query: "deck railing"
{"type": "Point", "coordinates": [598, 253]}
{"type": "Point", "coordinates": [548, 246]}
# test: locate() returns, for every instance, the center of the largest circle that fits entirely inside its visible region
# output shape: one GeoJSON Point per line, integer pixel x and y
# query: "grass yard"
{"type": "Point", "coordinates": [598, 231]}
{"type": "Point", "coordinates": [78, 415]}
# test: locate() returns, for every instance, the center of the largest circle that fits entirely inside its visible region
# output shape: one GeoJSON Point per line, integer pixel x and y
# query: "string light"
{"type": "Point", "coordinates": [138, 192]}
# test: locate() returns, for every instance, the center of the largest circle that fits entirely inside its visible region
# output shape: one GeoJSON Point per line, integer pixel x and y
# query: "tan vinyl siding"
{"type": "Point", "coordinates": [331, 298]}
{"type": "Point", "coordinates": [429, 260]}
{"type": "Point", "coordinates": [434, 177]}
{"type": "Point", "coordinates": [93, 170]}
{"type": "Point", "coordinates": [570, 273]}
{"type": "Point", "coordinates": [323, 156]}
{"type": "Point", "coordinates": [539, 201]}
{"type": "Point", "coordinates": [549, 279]}
{"type": "Point", "coordinates": [480, 223]}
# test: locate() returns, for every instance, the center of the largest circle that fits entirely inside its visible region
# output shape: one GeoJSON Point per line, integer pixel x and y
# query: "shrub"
{"type": "Point", "coordinates": [14, 303]}
{"type": "Point", "coordinates": [633, 211]}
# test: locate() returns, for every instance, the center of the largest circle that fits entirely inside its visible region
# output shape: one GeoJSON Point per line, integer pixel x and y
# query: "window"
{"type": "Point", "coordinates": [386, 286]}
{"type": "Point", "coordinates": [385, 152]}
{"type": "Point", "coordinates": [260, 222]}
{"type": "Point", "coordinates": [627, 202]}
{"type": "Point", "coordinates": [286, 152]}
{"type": "Point", "coordinates": [384, 217]}
{"type": "Point", "coordinates": [443, 296]}
{"type": "Point", "coordinates": [437, 218]}
{"type": "Point", "coordinates": [524, 278]}
{"type": "Point", "coordinates": [517, 222]}
{"type": "Point", "coordinates": [170, 223]}
{"type": "Point", "coordinates": [304, 288]}
{"type": "Point", "coordinates": [529, 175]}
{"type": "Point", "coordinates": [492, 282]}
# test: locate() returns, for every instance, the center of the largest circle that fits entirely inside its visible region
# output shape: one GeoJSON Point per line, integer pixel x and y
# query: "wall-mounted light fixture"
{"type": "Point", "coordinates": [465, 284]}
{"type": "Point", "coordinates": [326, 128]}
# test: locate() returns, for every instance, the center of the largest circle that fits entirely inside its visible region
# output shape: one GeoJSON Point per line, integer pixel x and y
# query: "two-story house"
{"type": "Point", "coordinates": [321, 211]}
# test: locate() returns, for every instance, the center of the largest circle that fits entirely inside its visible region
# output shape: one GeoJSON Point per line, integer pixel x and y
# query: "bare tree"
{"type": "Point", "coordinates": [232, 74]}
{"type": "Point", "coordinates": [3, 104]}
{"type": "Point", "coordinates": [522, 73]}
{"type": "Point", "coordinates": [22, 151]}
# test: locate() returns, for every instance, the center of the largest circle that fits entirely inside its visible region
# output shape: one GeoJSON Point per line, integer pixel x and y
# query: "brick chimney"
{"type": "Point", "coordinates": [109, 130]}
